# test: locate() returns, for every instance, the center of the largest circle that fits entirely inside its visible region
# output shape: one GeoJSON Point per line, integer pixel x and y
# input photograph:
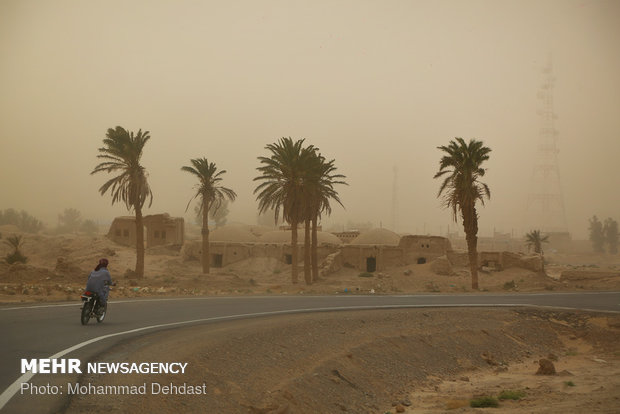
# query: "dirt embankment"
{"type": "Point", "coordinates": [429, 360]}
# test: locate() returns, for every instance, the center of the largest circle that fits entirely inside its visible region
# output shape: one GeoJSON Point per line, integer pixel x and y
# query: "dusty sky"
{"type": "Point", "coordinates": [373, 84]}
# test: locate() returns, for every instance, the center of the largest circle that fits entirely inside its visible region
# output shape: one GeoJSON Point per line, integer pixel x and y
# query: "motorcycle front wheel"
{"type": "Point", "coordinates": [86, 308]}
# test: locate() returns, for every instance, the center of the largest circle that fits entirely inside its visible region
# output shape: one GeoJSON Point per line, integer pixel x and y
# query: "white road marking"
{"type": "Point", "coordinates": [308, 296]}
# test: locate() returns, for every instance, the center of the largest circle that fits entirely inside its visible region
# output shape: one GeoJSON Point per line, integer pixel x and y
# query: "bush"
{"type": "Point", "coordinates": [483, 402]}
{"type": "Point", "coordinates": [510, 285]}
{"type": "Point", "coordinates": [511, 395]}
{"type": "Point", "coordinates": [15, 257]}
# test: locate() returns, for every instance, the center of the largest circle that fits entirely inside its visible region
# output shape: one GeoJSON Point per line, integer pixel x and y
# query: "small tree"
{"type": "Point", "coordinates": [597, 236]}
{"type": "Point", "coordinates": [15, 242]}
{"type": "Point", "coordinates": [535, 239]}
{"type": "Point", "coordinates": [69, 221]}
{"type": "Point", "coordinates": [219, 214]}
{"type": "Point", "coordinates": [89, 227]}
{"type": "Point", "coordinates": [610, 233]}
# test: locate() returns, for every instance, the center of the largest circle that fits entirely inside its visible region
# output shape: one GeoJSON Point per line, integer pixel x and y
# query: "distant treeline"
{"type": "Point", "coordinates": [604, 234]}
{"type": "Point", "coordinates": [21, 219]}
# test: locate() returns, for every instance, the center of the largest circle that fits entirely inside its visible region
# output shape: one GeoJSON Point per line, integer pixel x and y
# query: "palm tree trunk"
{"type": "Point", "coordinates": [206, 259]}
{"type": "Point", "coordinates": [470, 225]}
{"type": "Point", "coordinates": [139, 243]}
{"type": "Point", "coordinates": [307, 274]}
{"type": "Point", "coordinates": [315, 261]}
{"type": "Point", "coordinates": [294, 259]}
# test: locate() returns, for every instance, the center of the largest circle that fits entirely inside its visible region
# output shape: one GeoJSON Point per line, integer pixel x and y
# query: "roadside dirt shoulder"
{"type": "Point", "coordinates": [415, 360]}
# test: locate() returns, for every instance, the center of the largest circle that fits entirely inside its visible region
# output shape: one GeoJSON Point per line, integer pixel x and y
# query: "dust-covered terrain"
{"type": "Point", "coordinates": [58, 267]}
{"type": "Point", "coordinates": [419, 361]}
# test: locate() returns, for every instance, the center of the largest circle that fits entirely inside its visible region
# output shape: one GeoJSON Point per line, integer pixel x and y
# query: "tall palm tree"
{"type": "Point", "coordinates": [282, 176]}
{"type": "Point", "coordinates": [211, 195]}
{"type": "Point", "coordinates": [461, 168]}
{"type": "Point", "coordinates": [321, 181]}
{"type": "Point", "coordinates": [535, 239]}
{"type": "Point", "coordinates": [121, 153]}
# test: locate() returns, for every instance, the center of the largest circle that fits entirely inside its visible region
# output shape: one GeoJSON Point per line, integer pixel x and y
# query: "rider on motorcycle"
{"type": "Point", "coordinates": [99, 281]}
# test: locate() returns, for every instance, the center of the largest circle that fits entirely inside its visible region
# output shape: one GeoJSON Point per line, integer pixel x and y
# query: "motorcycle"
{"type": "Point", "coordinates": [92, 308]}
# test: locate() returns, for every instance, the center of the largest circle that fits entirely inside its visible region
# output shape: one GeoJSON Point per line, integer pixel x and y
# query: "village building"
{"type": "Point", "coordinates": [161, 229]}
{"type": "Point", "coordinates": [232, 243]}
{"type": "Point", "coordinates": [380, 249]}
{"type": "Point", "coordinates": [374, 250]}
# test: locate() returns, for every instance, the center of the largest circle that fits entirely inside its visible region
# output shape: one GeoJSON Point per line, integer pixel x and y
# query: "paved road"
{"type": "Point", "coordinates": [54, 330]}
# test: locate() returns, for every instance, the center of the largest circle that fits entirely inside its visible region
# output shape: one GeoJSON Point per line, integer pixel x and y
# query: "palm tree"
{"type": "Point", "coordinates": [211, 195]}
{"type": "Point", "coordinates": [535, 239]}
{"type": "Point", "coordinates": [122, 151]}
{"type": "Point", "coordinates": [15, 242]}
{"type": "Point", "coordinates": [461, 166]}
{"type": "Point", "coordinates": [321, 181]}
{"type": "Point", "coordinates": [282, 176]}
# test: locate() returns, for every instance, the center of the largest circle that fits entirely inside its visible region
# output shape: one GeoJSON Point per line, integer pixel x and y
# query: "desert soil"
{"type": "Point", "coordinates": [417, 361]}
{"type": "Point", "coordinates": [362, 362]}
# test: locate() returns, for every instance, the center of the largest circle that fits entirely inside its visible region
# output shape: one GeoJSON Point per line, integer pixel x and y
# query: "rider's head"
{"type": "Point", "coordinates": [102, 263]}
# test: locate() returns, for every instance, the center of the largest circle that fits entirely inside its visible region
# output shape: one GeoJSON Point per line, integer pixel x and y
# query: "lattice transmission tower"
{"type": "Point", "coordinates": [545, 204]}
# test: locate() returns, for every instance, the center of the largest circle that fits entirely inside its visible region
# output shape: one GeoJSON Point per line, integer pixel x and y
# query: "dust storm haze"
{"type": "Point", "coordinates": [374, 84]}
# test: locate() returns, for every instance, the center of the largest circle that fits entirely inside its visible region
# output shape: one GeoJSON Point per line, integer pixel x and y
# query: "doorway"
{"type": "Point", "coordinates": [217, 260]}
{"type": "Point", "coordinates": [371, 264]}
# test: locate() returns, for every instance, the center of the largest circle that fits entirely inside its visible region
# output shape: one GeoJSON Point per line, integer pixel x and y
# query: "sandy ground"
{"type": "Point", "coordinates": [418, 361]}
{"type": "Point", "coordinates": [363, 362]}
{"type": "Point", "coordinates": [59, 265]}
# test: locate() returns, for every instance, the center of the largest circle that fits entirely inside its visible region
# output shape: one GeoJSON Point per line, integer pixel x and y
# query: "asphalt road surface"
{"type": "Point", "coordinates": [54, 330]}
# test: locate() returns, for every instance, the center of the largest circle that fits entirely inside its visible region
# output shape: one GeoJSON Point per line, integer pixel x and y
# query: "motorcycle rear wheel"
{"type": "Point", "coordinates": [86, 308]}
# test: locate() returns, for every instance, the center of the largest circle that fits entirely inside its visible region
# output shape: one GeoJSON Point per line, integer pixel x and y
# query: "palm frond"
{"type": "Point", "coordinates": [121, 152]}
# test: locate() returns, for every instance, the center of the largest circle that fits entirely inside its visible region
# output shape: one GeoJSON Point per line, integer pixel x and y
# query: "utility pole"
{"type": "Point", "coordinates": [395, 201]}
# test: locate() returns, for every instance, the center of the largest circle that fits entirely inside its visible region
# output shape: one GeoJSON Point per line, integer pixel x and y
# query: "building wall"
{"type": "Point", "coordinates": [498, 260]}
{"type": "Point", "coordinates": [123, 231]}
{"type": "Point", "coordinates": [423, 247]}
{"type": "Point", "coordinates": [161, 229]}
{"type": "Point", "coordinates": [409, 250]}
{"type": "Point", "coordinates": [347, 236]}
{"type": "Point", "coordinates": [233, 252]}
{"type": "Point", "coordinates": [230, 252]}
